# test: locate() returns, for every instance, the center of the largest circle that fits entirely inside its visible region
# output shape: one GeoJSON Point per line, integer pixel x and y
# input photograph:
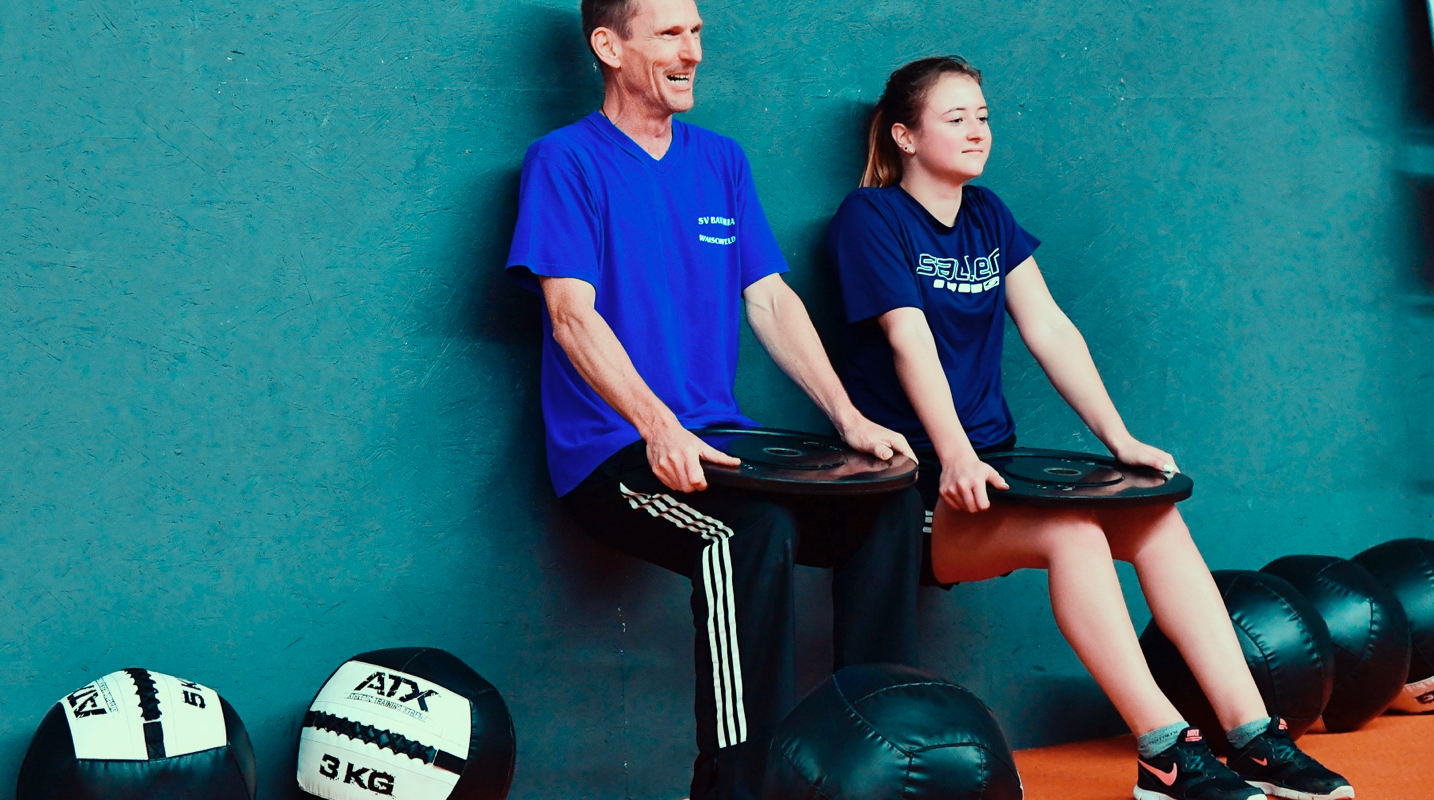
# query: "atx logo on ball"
{"type": "Point", "coordinates": [86, 702]}
{"type": "Point", "coordinates": [392, 684]}
{"type": "Point", "coordinates": [362, 777]}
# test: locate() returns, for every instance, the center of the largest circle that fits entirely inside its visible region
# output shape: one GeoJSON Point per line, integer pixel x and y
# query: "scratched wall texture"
{"type": "Point", "coordinates": [268, 401]}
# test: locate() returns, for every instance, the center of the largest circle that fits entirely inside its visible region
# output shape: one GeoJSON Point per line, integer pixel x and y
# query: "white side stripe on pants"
{"type": "Point", "coordinates": [721, 613]}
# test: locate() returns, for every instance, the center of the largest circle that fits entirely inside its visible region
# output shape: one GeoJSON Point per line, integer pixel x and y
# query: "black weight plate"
{"type": "Point", "coordinates": [790, 452]}
{"type": "Point", "coordinates": [1062, 472]}
{"type": "Point", "coordinates": [1064, 479]}
{"type": "Point", "coordinates": [792, 462]}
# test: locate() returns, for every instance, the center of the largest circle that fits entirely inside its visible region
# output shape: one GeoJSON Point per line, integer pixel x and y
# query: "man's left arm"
{"type": "Point", "coordinates": [779, 319]}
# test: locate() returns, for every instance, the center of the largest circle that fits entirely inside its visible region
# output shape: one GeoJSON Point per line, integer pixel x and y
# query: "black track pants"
{"type": "Point", "coordinates": [739, 549]}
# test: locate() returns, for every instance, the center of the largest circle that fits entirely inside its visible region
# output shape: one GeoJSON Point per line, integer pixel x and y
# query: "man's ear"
{"type": "Point", "coordinates": [608, 47]}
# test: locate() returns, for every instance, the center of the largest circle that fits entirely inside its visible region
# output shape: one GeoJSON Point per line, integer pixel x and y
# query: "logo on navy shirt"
{"type": "Point", "coordinates": [965, 275]}
{"type": "Point", "coordinates": [724, 221]}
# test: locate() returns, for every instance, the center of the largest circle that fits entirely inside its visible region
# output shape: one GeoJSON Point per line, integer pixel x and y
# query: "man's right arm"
{"type": "Point", "coordinates": [674, 453]}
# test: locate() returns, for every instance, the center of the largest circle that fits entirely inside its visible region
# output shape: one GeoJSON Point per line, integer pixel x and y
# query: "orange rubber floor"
{"type": "Point", "coordinates": [1392, 758]}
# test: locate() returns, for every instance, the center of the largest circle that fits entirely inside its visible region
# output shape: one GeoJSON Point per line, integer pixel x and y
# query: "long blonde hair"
{"type": "Point", "coordinates": [902, 102]}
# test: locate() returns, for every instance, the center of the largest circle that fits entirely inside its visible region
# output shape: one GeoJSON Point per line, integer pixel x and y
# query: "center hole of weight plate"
{"type": "Point", "coordinates": [1062, 471]}
{"type": "Point", "coordinates": [785, 452]}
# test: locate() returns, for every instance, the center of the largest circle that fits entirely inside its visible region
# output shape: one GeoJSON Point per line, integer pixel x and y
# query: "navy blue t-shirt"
{"type": "Point", "coordinates": [890, 253]}
{"type": "Point", "coordinates": [669, 245]}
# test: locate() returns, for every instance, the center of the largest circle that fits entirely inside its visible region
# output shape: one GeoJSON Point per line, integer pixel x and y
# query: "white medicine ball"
{"type": "Point", "coordinates": [139, 734]}
{"type": "Point", "coordinates": [409, 723]}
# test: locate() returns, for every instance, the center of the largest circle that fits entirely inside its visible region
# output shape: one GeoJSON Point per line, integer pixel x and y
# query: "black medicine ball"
{"type": "Point", "coordinates": [412, 723]}
{"type": "Point", "coordinates": [1286, 646]}
{"type": "Point", "coordinates": [1406, 568]}
{"type": "Point", "coordinates": [1367, 627]}
{"type": "Point", "coordinates": [880, 731]}
{"type": "Point", "coordinates": [139, 735]}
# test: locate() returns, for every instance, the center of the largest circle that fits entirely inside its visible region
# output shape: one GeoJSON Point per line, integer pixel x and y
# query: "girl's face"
{"type": "Point", "coordinates": [953, 138]}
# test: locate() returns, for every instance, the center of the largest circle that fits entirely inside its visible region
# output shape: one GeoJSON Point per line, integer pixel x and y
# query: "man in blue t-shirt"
{"type": "Point", "coordinates": [645, 238]}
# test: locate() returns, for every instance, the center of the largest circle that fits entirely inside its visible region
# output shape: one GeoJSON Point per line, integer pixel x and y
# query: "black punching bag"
{"type": "Point", "coordinates": [1367, 627]}
{"type": "Point", "coordinates": [881, 731]}
{"type": "Point", "coordinates": [1285, 643]}
{"type": "Point", "coordinates": [1406, 568]}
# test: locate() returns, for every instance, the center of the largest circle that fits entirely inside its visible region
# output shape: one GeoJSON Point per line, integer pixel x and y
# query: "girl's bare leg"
{"type": "Point", "coordinates": [1085, 592]}
{"type": "Point", "coordinates": [1186, 605]}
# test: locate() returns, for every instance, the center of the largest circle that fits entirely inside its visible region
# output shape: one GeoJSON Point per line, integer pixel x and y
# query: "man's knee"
{"type": "Point", "coordinates": [903, 527]}
{"type": "Point", "coordinates": [764, 533]}
{"type": "Point", "coordinates": [898, 516]}
{"type": "Point", "coordinates": [882, 533]}
{"type": "Point", "coordinates": [906, 506]}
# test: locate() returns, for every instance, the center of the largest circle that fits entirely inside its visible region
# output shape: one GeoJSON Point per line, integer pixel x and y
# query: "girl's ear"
{"type": "Point", "coordinates": [904, 140]}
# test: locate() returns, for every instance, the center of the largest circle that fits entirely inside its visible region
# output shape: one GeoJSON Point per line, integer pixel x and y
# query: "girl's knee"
{"type": "Point", "coordinates": [1142, 529]}
{"type": "Point", "coordinates": [1072, 535]}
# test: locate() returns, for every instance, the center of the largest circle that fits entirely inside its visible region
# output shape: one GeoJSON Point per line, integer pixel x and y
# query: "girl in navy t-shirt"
{"type": "Point", "coordinates": [929, 265]}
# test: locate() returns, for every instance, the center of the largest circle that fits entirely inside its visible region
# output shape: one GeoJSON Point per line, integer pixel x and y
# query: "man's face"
{"type": "Point", "coordinates": [659, 60]}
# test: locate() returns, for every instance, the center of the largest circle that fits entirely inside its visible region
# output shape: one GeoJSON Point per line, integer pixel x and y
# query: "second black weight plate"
{"type": "Point", "coordinates": [792, 462]}
{"type": "Point", "coordinates": [1065, 479]}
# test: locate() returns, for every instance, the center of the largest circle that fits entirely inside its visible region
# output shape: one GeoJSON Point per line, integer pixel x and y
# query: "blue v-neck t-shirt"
{"type": "Point", "coordinates": [669, 244]}
{"type": "Point", "coordinates": [890, 253]}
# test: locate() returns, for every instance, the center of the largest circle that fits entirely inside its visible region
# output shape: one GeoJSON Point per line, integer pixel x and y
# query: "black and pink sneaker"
{"type": "Point", "coordinates": [1187, 770]}
{"type": "Point", "coordinates": [1275, 765]}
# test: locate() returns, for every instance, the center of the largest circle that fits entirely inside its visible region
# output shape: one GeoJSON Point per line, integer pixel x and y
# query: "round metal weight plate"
{"type": "Point", "coordinates": [1064, 479]}
{"type": "Point", "coordinates": [792, 462]}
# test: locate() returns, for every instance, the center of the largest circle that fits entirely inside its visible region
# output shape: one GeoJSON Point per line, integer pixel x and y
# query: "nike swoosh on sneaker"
{"type": "Point", "coordinates": [1167, 778]}
{"type": "Point", "coordinates": [1264, 762]}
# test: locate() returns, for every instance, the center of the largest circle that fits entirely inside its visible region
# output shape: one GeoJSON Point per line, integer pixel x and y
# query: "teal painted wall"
{"type": "Point", "coordinates": [269, 401]}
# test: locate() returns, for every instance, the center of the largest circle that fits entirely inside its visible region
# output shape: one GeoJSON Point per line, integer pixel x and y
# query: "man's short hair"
{"type": "Point", "coordinates": [615, 15]}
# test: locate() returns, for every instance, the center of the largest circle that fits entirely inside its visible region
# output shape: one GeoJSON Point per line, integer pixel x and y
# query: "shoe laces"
{"type": "Point", "coordinates": [1284, 748]}
{"type": "Point", "coordinates": [1197, 759]}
